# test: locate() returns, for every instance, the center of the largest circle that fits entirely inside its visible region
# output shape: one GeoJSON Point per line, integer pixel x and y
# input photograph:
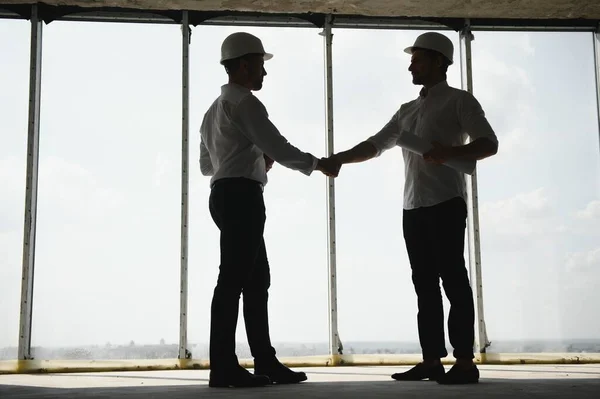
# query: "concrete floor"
{"type": "Point", "coordinates": [544, 381]}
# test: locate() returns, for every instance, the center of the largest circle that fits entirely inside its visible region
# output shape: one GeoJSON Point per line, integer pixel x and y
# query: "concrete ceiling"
{"type": "Point", "coordinates": [494, 9]}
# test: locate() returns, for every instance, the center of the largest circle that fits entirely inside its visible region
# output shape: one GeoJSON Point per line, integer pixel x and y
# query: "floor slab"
{"type": "Point", "coordinates": [544, 381]}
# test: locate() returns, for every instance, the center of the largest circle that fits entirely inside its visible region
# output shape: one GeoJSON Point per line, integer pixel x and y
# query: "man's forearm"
{"type": "Point", "coordinates": [359, 153]}
{"type": "Point", "coordinates": [478, 149]}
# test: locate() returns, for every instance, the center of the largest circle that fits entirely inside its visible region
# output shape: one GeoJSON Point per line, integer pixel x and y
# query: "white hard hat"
{"type": "Point", "coordinates": [242, 43]}
{"type": "Point", "coordinates": [436, 42]}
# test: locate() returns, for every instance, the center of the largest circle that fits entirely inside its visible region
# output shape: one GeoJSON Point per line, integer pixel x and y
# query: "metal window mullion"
{"type": "Point", "coordinates": [31, 187]}
{"type": "Point", "coordinates": [335, 347]}
{"type": "Point", "coordinates": [185, 69]}
{"type": "Point", "coordinates": [481, 339]}
{"type": "Point", "coordinates": [596, 49]}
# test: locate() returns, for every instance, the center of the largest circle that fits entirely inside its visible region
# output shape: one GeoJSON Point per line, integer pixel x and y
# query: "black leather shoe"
{"type": "Point", "coordinates": [237, 377]}
{"type": "Point", "coordinates": [278, 373]}
{"type": "Point", "coordinates": [460, 375]}
{"type": "Point", "coordinates": [421, 372]}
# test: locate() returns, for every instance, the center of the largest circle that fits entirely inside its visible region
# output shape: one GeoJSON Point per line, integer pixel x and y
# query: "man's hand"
{"type": "Point", "coordinates": [439, 153]}
{"type": "Point", "coordinates": [268, 162]}
{"type": "Point", "coordinates": [329, 166]}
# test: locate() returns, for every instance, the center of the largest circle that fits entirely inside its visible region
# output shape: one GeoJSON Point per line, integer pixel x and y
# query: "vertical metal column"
{"type": "Point", "coordinates": [185, 153]}
{"type": "Point", "coordinates": [596, 43]}
{"type": "Point", "coordinates": [31, 186]}
{"type": "Point", "coordinates": [481, 340]}
{"type": "Point", "coordinates": [335, 345]}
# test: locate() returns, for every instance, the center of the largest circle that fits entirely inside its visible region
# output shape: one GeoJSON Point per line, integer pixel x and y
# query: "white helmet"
{"type": "Point", "coordinates": [242, 43]}
{"type": "Point", "coordinates": [436, 42]}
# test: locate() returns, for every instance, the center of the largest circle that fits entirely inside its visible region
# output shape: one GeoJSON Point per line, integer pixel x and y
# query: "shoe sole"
{"type": "Point", "coordinates": [288, 382]}
{"type": "Point", "coordinates": [220, 385]}
{"type": "Point", "coordinates": [422, 379]}
{"type": "Point", "coordinates": [304, 377]}
{"type": "Point", "coordinates": [458, 383]}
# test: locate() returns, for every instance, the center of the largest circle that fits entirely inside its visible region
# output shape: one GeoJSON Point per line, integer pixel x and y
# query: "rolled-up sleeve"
{"type": "Point", "coordinates": [253, 121]}
{"type": "Point", "coordinates": [388, 136]}
{"type": "Point", "coordinates": [206, 166]}
{"type": "Point", "coordinates": [473, 119]}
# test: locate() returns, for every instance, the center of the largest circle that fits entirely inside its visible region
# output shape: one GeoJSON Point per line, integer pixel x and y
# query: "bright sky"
{"type": "Point", "coordinates": [107, 261]}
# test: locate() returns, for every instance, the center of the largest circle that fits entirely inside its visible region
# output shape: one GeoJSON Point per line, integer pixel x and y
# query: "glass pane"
{"type": "Point", "coordinates": [14, 102]}
{"type": "Point", "coordinates": [296, 230]}
{"type": "Point", "coordinates": [377, 302]}
{"type": "Point", "coordinates": [540, 195]}
{"type": "Point", "coordinates": [107, 273]}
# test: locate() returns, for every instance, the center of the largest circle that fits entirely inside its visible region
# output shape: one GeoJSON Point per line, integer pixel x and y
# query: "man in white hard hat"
{"type": "Point", "coordinates": [238, 146]}
{"type": "Point", "coordinates": [435, 211]}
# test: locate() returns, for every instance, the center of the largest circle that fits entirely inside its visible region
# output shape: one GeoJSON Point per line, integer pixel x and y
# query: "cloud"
{"type": "Point", "coordinates": [523, 223]}
{"type": "Point", "coordinates": [70, 189]}
{"type": "Point", "coordinates": [583, 261]}
{"type": "Point", "coordinates": [527, 45]}
{"type": "Point", "coordinates": [12, 181]}
{"type": "Point", "coordinates": [161, 164]}
{"type": "Point", "coordinates": [591, 211]}
{"type": "Point", "coordinates": [521, 208]}
{"type": "Point", "coordinates": [10, 285]}
{"type": "Point", "coordinates": [488, 63]}
{"type": "Point", "coordinates": [515, 142]}
{"type": "Point", "coordinates": [505, 90]}
{"type": "Point", "coordinates": [528, 222]}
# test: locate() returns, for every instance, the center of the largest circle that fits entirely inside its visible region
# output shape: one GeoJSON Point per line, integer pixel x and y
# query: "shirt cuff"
{"type": "Point", "coordinates": [377, 146]}
{"type": "Point", "coordinates": [315, 161]}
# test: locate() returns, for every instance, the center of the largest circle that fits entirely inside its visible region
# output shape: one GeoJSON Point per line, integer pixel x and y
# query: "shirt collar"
{"type": "Point", "coordinates": [438, 87]}
{"type": "Point", "coordinates": [234, 86]}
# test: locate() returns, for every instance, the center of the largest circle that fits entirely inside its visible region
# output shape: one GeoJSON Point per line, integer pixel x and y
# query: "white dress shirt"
{"type": "Point", "coordinates": [236, 132]}
{"type": "Point", "coordinates": [444, 114]}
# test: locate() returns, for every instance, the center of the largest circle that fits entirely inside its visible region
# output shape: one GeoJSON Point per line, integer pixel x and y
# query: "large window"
{"type": "Point", "coordinates": [377, 302]}
{"type": "Point", "coordinates": [539, 196]}
{"type": "Point", "coordinates": [107, 261]}
{"type": "Point", "coordinates": [296, 230]}
{"type": "Point", "coordinates": [14, 79]}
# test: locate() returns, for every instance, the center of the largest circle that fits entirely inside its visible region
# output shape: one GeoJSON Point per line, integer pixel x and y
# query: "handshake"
{"type": "Point", "coordinates": [330, 166]}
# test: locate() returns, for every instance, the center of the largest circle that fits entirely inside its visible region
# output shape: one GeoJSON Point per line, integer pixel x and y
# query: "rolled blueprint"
{"type": "Point", "coordinates": [420, 146]}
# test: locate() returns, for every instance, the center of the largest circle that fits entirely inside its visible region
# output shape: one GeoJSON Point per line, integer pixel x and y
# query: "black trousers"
{"type": "Point", "coordinates": [435, 239]}
{"type": "Point", "coordinates": [238, 209]}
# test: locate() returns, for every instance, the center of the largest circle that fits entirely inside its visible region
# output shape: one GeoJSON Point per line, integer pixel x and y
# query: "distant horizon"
{"type": "Point", "coordinates": [290, 349]}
